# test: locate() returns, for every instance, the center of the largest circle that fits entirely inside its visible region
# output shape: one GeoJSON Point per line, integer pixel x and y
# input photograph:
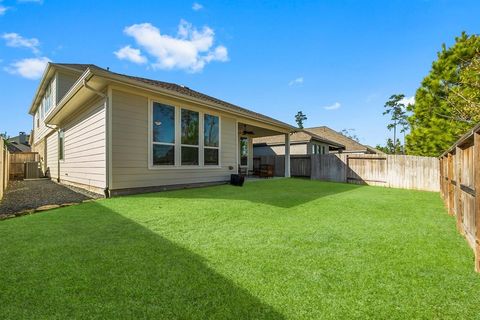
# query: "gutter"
{"type": "Point", "coordinates": [124, 80]}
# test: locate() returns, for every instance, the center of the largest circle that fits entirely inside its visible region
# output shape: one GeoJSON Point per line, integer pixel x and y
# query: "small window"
{"type": "Point", "coordinates": [61, 145]}
{"type": "Point", "coordinates": [163, 134]}
{"type": "Point", "coordinates": [37, 120]}
{"type": "Point", "coordinates": [244, 151]}
{"type": "Point", "coordinates": [211, 134]}
{"type": "Point", "coordinates": [189, 136]}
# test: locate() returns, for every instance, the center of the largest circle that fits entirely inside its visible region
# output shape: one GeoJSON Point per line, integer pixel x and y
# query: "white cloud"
{"type": "Point", "coordinates": [197, 6]}
{"type": "Point", "coordinates": [297, 81]}
{"type": "Point", "coordinates": [17, 41]}
{"type": "Point", "coordinates": [190, 49]}
{"type": "Point", "coordinates": [131, 54]}
{"type": "Point", "coordinates": [334, 106]}
{"type": "Point", "coordinates": [3, 9]}
{"type": "Point", "coordinates": [408, 100]}
{"type": "Point", "coordinates": [31, 68]}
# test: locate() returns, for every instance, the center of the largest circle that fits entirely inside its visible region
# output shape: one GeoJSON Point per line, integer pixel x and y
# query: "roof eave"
{"type": "Point", "coordinates": [122, 79]}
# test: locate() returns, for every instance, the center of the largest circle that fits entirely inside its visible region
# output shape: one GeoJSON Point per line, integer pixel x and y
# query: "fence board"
{"type": "Point", "coordinates": [4, 167]}
{"type": "Point", "coordinates": [17, 163]}
{"type": "Point", "coordinates": [460, 187]}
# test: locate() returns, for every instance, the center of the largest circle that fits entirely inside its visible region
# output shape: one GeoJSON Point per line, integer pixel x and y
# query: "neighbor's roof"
{"type": "Point", "coordinates": [179, 89]}
{"type": "Point", "coordinates": [297, 137]}
{"type": "Point", "coordinates": [330, 134]}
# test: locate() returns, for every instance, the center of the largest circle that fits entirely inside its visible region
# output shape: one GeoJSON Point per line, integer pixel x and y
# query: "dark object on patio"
{"type": "Point", "coordinates": [266, 171]}
{"type": "Point", "coordinates": [237, 179]}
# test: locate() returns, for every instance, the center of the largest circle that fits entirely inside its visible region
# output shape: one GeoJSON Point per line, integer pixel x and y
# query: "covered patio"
{"type": "Point", "coordinates": [246, 133]}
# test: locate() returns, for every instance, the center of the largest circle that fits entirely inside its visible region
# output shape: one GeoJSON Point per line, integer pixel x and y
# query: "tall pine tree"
{"type": "Point", "coordinates": [437, 122]}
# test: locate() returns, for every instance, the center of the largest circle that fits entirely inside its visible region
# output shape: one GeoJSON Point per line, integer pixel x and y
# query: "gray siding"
{"type": "Point", "coordinates": [85, 148]}
{"type": "Point", "coordinates": [52, 155]}
{"type": "Point", "coordinates": [130, 143]}
{"type": "Point", "coordinates": [64, 82]}
{"type": "Point", "coordinates": [279, 150]}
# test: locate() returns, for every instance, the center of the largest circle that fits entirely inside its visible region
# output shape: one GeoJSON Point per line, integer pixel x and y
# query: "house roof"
{"type": "Point", "coordinates": [177, 89]}
{"type": "Point", "coordinates": [18, 147]}
{"type": "Point", "coordinates": [297, 137]}
{"type": "Point", "coordinates": [330, 134]}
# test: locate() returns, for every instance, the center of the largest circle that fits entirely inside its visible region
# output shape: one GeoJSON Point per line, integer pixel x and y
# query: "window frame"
{"type": "Point", "coordinates": [151, 142]}
{"type": "Point", "coordinates": [61, 145]}
{"type": "Point", "coordinates": [178, 143]}
{"type": "Point", "coordinates": [210, 147]}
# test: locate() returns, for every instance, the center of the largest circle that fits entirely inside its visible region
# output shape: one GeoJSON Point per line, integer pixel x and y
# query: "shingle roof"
{"type": "Point", "coordinates": [176, 88]}
{"type": "Point", "coordinates": [330, 134]}
{"type": "Point", "coordinates": [300, 136]}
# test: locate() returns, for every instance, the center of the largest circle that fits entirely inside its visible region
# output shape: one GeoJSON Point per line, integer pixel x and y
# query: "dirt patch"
{"type": "Point", "coordinates": [24, 196]}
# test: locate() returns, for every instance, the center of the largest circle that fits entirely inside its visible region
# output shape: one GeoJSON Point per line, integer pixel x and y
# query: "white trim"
{"type": "Point", "coordinates": [178, 145]}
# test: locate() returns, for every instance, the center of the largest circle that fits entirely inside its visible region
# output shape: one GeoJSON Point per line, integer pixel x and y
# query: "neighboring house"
{"type": "Point", "coordinates": [302, 142]}
{"type": "Point", "coordinates": [19, 143]}
{"type": "Point", "coordinates": [351, 146]}
{"type": "Point", "coordinates": [114, 134]}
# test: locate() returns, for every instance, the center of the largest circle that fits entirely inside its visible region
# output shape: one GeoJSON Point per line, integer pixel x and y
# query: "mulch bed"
{"type": "Point", "coordinates": [23, 197]}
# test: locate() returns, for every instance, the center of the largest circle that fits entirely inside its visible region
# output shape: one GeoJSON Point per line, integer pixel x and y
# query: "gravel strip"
{"type": "Point", "coordinates": [28, 195]}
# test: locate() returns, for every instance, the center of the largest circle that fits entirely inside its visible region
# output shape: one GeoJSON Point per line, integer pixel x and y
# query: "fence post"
{"type": "Point", "coordinates": [476, 167]}
{"type": "Point", "coordinates": [457, 194]}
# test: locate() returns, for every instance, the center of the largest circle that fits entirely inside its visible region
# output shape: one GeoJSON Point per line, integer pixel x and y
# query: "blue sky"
{"type": "Point", "coordinates": [337, 61]}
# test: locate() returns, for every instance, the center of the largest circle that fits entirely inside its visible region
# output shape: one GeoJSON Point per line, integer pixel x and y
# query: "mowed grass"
{"type": "Point", "coordinates": [276, 249]}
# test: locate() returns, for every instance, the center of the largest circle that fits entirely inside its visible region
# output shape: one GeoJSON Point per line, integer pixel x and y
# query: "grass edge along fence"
{"type": "Point", "coordinates": [460, 187]}
{"type": "Point", "coordinates": [4, 167]}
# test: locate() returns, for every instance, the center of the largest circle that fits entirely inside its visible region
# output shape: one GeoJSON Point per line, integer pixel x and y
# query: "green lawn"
{"type": "Point", "coordinates": [277, 249]}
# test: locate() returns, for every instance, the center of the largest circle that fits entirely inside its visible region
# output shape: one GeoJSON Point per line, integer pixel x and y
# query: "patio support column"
{"type": "Point", "coordinates": [287, 155]}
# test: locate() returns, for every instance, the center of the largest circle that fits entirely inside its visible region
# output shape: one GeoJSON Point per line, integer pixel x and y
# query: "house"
{"type": "Point", "coordinates": [19, 143]}
{"type": "Point", "coordinates": [112, 133]}
{"type": "Point", "coordinates": [351, 146]}
{"type": "Point", "coordinates": [301, 142]}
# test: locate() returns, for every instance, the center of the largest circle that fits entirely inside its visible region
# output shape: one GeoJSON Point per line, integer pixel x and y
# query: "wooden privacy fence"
{"type": "Point", "coordinates": [17, 163]}
{"type": "Point", "coordinates": [396, 171]}
{"type": "Point", "coordinates": [4, 167]}
{"type": "Point", "coordinates": [460, 187]}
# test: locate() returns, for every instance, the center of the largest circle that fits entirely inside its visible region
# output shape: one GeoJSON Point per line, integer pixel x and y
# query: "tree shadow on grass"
{"type": "Point", "coordinates": [88, 261]}
{"type": "Point", "coordinates": [283, 193]}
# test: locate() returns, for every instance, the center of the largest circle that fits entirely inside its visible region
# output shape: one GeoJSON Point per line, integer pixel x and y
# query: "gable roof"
{"type": "Point", "coordinates": [297, 137]}
{"type": "Point", "coordinates": [328, 133]}
{"type": "Point", "coordinates": [174, 88]}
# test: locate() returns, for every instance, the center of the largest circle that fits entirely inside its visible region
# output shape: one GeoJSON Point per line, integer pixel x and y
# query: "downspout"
{"type": "Point", "coordinates": [107, 137]}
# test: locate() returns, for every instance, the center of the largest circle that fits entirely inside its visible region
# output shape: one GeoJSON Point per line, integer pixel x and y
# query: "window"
{"type": "Point", "coordinates": [61, 145]}
{"type": "Point", "coordinates": [37, 120]}
{"type": "Point", "coordinates": [211, 139]}
{"type": "Point", "coordinates": [189, 136]}
{"type": "Point", "coordinates": [183, 137]}
{"type": "Point", "coordinates": [243, 151]}
{"type": "Point", "coordinates": [163, 134]}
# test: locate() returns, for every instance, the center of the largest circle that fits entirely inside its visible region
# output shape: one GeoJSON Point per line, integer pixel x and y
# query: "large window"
{"type": "Point", "coordinates": [243, 151]}
{"type": "Point", "coordinates": [61, 145]}
{"type": "Point", "coordinates": [183, 137]}
{"type": "Point", "coordinates": [211, 139]}
{"type": "Point", "coordinates": [163, 134]}
{"type": "Point", "coordinates": [190, 127]}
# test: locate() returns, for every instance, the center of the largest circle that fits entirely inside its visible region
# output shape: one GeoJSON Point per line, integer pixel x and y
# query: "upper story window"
{"type": "Point", "coordinates": [183, 137]}
{"type": "Point", "coordinates": [47, 102]}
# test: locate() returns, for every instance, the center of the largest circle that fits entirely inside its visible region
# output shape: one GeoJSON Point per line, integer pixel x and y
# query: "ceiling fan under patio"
{"type": "Point", "coordinates": [245, 131]}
